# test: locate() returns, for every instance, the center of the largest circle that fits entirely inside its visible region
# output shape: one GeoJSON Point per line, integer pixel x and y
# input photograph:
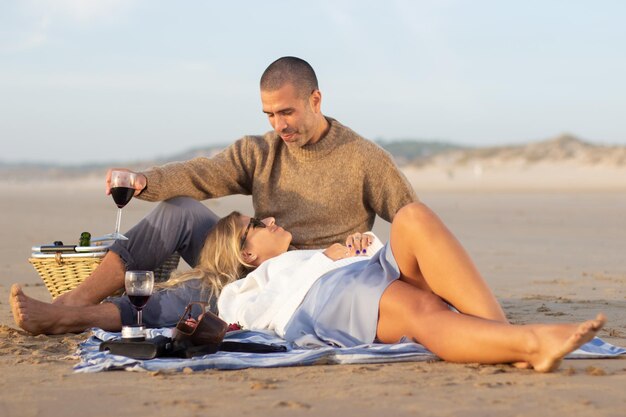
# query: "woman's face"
{"type": "Point", "coordinates": [263, 243]}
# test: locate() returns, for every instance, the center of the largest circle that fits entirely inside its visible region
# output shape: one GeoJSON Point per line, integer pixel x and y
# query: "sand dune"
{"type": "Point", "coordinates": [562, 163]}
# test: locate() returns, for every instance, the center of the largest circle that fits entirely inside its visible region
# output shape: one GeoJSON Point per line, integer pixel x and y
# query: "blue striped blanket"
{"type": "Point", "coordinates": [309, 351]}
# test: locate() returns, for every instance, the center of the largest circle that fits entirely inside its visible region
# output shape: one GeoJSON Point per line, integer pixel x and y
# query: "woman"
{"type": "Point", "coordinates": [405, 288]}
{"type": "Point", "coordinates": [362, 292]}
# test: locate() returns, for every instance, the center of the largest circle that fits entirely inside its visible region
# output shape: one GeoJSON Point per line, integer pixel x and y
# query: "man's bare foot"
{"type": "Point", "coordinates": [35, 316]}
{"type": "Point", "coordinates": [556, 342]}
{"type": "Point", "coordinates": [13, 294]}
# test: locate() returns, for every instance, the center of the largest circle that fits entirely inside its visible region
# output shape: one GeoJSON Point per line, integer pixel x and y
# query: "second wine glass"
{"type": "Point", "coordinates": [139, 285]}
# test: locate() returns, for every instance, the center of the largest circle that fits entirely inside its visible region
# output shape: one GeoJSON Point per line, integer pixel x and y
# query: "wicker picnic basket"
{"type": "Point", "coordinates": [63, 272]}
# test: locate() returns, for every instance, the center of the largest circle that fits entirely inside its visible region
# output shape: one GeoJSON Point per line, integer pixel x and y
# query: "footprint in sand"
{"type": "Point", "coordinates": [292, 404]}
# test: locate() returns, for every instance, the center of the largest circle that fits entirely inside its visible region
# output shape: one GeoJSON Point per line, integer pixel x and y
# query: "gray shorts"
{"type": "Point", "coordinates": [177, 225]}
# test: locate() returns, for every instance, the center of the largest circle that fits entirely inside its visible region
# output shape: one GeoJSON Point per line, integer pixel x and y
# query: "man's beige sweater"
{"type": "Point", "coordinates": [320, 192]}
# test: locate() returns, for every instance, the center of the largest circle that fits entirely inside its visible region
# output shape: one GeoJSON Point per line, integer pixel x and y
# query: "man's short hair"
{"type": "Point", "coordinates": [290, 70]}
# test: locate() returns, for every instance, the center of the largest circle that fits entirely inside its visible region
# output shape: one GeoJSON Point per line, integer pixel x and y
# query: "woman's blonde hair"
{"type": "Point", "coordinates": [220, 260]}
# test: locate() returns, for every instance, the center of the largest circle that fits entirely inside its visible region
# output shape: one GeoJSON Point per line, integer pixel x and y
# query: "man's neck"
{"type": "Point", "coordinates": [322, 129]}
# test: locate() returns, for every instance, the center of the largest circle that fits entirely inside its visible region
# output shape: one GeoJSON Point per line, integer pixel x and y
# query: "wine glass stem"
{"type": "Point", "coordinates": [118, 221]}
{"type": "Point", "coordinates": [139, 317]}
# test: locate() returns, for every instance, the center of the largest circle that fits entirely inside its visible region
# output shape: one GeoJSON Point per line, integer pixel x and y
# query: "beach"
{"type": "Point", "coordinates": [550, 247]}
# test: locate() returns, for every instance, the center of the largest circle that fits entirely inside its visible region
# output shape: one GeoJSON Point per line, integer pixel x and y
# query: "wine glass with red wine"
{"type": "Point", "coordinates": [122, 190]}
{"type": "Point", "coordinates": [139, 285]}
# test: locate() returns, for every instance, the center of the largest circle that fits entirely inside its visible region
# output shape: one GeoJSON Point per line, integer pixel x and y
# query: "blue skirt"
{"type": "Point", "coordinates": [341, 308]}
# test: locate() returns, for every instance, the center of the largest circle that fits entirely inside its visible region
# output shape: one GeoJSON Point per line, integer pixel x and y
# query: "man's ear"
{"type": "Point", "coordinates": [315, 100]}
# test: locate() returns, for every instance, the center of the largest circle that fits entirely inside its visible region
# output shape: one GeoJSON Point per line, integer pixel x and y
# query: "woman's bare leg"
{"type": "Point", "coordinates": [38, 317]}
{"type": "Point", "coordinates": [407, 311]}
{"type": "Point", "coordinates": [105, 280]}
{"type": "Point", "coordinates": [432, 259]}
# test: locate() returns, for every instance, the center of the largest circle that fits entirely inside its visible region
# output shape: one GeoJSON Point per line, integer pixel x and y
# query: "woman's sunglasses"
{"type": "Point", "coordinates": [254, 223]}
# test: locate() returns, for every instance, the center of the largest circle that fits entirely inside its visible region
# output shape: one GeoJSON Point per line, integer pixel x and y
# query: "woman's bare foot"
{"type": "Point", "coordinates": [35, 316]}
{"type": "Point", "coordinates": [557, 341]}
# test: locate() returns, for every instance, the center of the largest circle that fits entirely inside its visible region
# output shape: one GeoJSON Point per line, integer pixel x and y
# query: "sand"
{"type": "Point", "coordinates": [551, 254]}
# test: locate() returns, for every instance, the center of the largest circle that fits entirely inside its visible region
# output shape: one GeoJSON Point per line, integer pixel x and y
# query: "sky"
{"type": "Point", "coordinates": [86, 81]}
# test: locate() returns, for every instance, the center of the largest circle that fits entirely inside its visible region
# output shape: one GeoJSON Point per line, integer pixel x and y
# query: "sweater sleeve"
{"type": "Point", "coordinates": [387, 190]}
{"type": "Point", "coordinates": [229, 172]}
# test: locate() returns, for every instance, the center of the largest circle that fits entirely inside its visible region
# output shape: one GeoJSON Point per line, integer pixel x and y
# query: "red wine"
{"type": "Point", "coordinates": [122, 195]}
{"type": "Point", "coordinates": [138, 300]}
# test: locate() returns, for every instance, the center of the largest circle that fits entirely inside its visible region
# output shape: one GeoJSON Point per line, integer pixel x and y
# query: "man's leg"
{"type": "Point", "coordinates": [164, 309]}
{"type": "Point", "coordinates": [177, 225]}
{"type": "Point", "coordinates": [104, 280]}
{"type": "Point", "coordinates": [38, 317]}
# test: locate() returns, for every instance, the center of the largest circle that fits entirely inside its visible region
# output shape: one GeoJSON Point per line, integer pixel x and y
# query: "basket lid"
{"type": "Point", "coordinates": [70, 250]}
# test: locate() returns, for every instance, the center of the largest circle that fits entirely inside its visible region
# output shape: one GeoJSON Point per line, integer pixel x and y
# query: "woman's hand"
{"type": "Point", "coordinates": [358, 243]}
{"type": "Point", "coordinates": [337, 251]}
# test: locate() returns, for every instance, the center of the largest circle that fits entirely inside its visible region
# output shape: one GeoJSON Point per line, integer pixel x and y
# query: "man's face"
{"type": "Point", "coordinates": [292, 116]}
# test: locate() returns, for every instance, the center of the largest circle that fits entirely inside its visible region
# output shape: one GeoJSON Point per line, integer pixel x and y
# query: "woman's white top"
{"type": "Point", "coordinates": [268, 296]}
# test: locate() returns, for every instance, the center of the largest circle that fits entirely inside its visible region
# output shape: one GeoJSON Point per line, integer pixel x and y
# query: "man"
{"type": "Point", "coordinates": [307, 163]}
{"type": "Point", "coordinates": [318, 178]}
